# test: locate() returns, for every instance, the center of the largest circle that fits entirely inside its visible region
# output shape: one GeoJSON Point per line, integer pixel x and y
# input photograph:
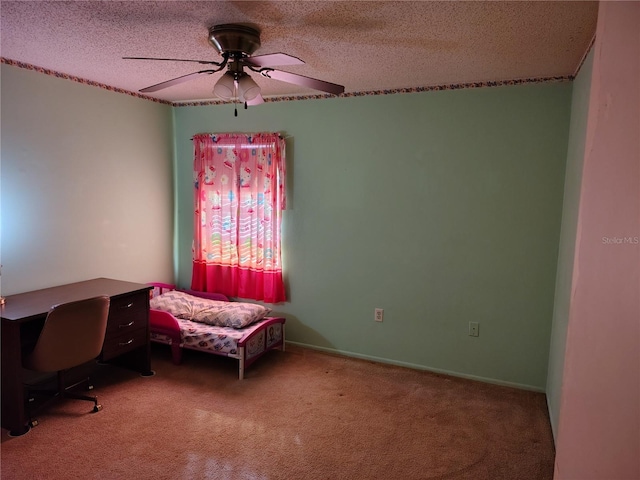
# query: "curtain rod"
{"type": "Point", "coordinates": [248, 134]}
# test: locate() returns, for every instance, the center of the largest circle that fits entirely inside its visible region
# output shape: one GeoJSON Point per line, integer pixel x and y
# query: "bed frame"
{"type": "Point", "coordinates": [244, 344]}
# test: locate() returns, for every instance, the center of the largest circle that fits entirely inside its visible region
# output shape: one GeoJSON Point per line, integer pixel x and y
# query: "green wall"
{"type": "Point", "coordinates": [440, 207]}
{"type": "Point", "coordinates": [573, 179]}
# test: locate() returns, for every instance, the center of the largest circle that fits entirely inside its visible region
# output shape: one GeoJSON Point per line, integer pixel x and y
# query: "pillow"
{"type": "Point", "coordinates": [211, 312]}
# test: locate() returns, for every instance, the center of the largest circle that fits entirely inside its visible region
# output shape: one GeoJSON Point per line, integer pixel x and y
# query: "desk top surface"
{"type": "Point", "coordinates": [23, 306]}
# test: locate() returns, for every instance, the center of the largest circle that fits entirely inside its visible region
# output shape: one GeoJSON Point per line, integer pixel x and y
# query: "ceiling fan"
{"type": "Point", "coordinates": [236, 44]}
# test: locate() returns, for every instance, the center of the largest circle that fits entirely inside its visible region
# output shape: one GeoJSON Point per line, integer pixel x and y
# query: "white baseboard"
{"type": "Point", "coordinates": [420, 367]}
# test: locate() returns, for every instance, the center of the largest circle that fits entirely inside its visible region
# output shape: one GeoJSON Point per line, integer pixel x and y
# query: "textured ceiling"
{"type": "Point", "coordinates": [365, 46]}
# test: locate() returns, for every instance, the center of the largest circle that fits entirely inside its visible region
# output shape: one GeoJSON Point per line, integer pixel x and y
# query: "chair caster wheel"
{"type": "Point", "coordinates": [97, 408]}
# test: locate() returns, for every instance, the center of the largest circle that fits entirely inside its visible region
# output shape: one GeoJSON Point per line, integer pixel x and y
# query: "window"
{"type": "Point", "coordinates": [239, 199]}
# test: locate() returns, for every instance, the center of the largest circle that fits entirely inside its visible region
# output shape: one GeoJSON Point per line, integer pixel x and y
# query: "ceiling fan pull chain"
{"type": "Point", "coordinates": [235, 98]}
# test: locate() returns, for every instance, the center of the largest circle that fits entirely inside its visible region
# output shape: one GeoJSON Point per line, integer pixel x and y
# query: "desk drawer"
{"type": "Point", "coordinates": [128, 325]}
{"type": "Point", "coordinates": [117, 345]}
{"type": "Point", "coordinates": [127, 313]}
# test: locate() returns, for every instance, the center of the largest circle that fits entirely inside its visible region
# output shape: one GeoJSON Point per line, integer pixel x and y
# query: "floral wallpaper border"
{"type": "Point", "coordinates": [394, 91]}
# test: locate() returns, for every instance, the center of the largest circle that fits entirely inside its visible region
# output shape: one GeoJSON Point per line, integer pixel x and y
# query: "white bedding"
{"type": "Point", "coordinates": [210, 312]}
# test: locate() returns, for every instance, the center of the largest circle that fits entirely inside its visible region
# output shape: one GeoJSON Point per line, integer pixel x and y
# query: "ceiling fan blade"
{"type": "Point", "coordinates": [175, 81]}
{"type": "Point", "coordinates": [256, 100]}
{"type": "Point", "coordinates": [272, 60]}
{"type": "Point", "coordinates": [203, 62]}
{"type": "Point", "coordinates": [303, 81]}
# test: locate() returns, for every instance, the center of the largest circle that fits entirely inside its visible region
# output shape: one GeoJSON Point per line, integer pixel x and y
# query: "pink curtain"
{"type": "Point", "coordinates": [239, 199]}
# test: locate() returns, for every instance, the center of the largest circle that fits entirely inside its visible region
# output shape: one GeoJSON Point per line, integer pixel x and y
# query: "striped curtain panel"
{"type": "Point", "coordinates": [239, 198]}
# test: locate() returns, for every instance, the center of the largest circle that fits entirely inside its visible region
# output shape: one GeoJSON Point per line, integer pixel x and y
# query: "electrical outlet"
{"type": "Point", "coordinates": [474, 329]}
{"type": "Point", "coordinates": [379, 314]}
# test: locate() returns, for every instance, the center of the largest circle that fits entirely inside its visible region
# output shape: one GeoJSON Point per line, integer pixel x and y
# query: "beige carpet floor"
{"type": "Point", "coordinates": [300, 414]}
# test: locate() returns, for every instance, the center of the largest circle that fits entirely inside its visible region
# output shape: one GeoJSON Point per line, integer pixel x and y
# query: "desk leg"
{"type": "Point", "coordinates": [13, 413]}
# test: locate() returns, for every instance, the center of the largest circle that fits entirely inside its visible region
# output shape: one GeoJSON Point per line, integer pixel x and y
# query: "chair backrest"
{"type": "Point", "coordinates": [73, 334]}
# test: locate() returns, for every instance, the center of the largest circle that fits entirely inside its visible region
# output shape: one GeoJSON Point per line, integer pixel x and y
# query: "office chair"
{"type": "Point", "coordinates": [72, 335]}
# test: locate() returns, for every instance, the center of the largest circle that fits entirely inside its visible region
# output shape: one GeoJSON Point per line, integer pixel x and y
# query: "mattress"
{"type": "Point", "coordinates": [224, 340]}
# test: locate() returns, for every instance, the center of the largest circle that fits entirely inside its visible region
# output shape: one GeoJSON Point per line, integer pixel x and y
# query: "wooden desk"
{"type": "Point", "coordinates": [126, 342]}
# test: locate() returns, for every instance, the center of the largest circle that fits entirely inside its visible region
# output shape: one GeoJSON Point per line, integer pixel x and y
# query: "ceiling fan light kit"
{"type": "Point", "coordinates": [225, 87]}
{"type": "Point", "coordinates": [247, 87]}
{"type": "Point", "coordinates": [236, 44]}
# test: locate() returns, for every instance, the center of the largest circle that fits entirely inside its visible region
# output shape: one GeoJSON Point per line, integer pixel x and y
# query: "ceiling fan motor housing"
{"type": "Point", "coordinates": [234, 39]}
